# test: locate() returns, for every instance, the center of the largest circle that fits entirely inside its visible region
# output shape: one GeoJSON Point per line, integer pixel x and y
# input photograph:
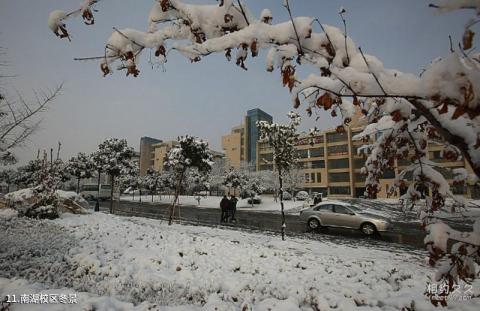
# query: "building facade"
{"type": "Point", "coordinates": [241, 144]}
{"type": "Point", "coordinates": [234, 146]}
{"type": "Point", "coordinates": [252, 133]}
{"type": "Point", "coordinates": [146, 149]}
{"type": "Point", "coordinates": [332, 165]}
{"type": "Point", "coordinates": [160, 150]}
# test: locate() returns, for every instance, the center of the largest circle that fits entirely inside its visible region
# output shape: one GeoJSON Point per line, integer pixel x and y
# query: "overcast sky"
{"type": "Point", "coordinates": [204, 99]}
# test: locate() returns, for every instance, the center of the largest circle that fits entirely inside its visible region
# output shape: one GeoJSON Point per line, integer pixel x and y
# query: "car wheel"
{"type": "Point", "coordinates": [313, 224]}
{"type": "Point", "coordinates": [368, 229]}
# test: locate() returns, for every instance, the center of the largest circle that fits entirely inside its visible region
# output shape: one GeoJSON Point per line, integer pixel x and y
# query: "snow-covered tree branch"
{"type": "Point", "coordinates": [409, 111]}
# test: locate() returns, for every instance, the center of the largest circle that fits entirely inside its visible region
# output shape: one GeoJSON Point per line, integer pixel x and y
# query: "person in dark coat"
{"type": "Point", "coordinates": [224, 204]}
{"type": "Point", "coordinates": [317, 199]}
{"type": "Point", "coordinates": [233, 208]}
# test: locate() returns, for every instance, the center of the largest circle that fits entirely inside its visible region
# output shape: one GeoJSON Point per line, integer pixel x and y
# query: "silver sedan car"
{"type": "Point", "coordinates": [344, 215]}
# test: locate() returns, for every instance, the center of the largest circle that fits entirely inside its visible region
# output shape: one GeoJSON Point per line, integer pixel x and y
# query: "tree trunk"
{"type": "Point", "coordinates": [175, 199]}
{"type": "Point", "coordinates": [111, 193]}
{"type": "Point", "coordinates": [98, 189]}
{"type": "Point", "coordinates": [152, 196]}
{"type": "Point", "coordinates": [140, 194]}
{"type": "Point", "coordinates": [78, 185]}
{"type": "Point", "coordinates": [281, 204]}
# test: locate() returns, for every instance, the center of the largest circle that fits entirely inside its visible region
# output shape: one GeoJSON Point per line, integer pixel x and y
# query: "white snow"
{"type": "Point", "coordinates": [145, 262]}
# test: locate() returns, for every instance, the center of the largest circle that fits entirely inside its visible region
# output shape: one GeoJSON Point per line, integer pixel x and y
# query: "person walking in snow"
{"type": "Point", "coordinates": [224, 204]}
{"type": "Point", "coordinates": [233, 208]}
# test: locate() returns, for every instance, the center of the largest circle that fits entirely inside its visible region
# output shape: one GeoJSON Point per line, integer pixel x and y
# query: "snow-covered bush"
{"type": "Point", "coordinates": [408, 110]}
{"type": "Point", "coordinates": [66, 202]}
{"type": "Point", "coordinates": [190, 152]}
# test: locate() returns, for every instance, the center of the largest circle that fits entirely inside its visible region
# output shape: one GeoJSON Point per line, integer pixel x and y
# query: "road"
{"type": "Point", "coordinates": [408, 234]}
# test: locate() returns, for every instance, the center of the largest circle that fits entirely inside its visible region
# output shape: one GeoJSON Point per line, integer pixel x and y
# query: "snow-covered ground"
{"type": "Point", "coordinates": [128, 263]}
{"type": "Point", "coordinates": [268, 203]}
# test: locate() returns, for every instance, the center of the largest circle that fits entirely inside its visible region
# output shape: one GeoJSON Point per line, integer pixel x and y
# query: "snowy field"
{"type": "Point", "coordinates": [268, 203]}
{"type": "Point", "coordinates": [125, 263]}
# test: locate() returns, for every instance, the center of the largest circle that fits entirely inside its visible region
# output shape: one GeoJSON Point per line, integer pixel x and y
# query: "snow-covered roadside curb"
{"type": "Point", "coordinates": [137, 260]}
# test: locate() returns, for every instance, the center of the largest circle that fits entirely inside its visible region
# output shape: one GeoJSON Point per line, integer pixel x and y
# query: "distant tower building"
{"type": "Point", "coordinates": [146, 150]}
{"type": "Point", "coordinates": [241, 144]}
{"type": "Point", "coordinates": [252, 133]}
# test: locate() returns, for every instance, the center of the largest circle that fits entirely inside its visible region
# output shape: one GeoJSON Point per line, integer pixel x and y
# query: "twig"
{"type": "Point", "coordinates": [345, 35]}
{"type": "Point", "coordinates": [370, 69]}
{"type": "Point", "coordinates": [294, 27]}
{"type": "Point", "coordinates": [131, 40]}
{"type": "Point", "coordinates": [243, 12]}
{"type": "Point", "coordinates": [451, 44]}
{"type": "Point", "coordinates": [326, 33]}
{"type": "Point", "coordinates": [93, 58]}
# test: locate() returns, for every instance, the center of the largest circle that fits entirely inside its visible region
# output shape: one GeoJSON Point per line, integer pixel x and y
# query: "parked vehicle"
{"type": "Point", "coordinates": [256, 200]}
{"type": "Point", "coordinates": [90, 191]}
{"type": "Point", "coordinates": [344, 215]}
{"type": "Point", "coordinates": [302, 196]}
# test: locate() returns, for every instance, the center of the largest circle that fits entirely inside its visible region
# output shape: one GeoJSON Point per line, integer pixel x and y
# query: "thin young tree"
{"type": "Point", "coordinates": [235, 179]}
{"type": "Point", "coordinates": [153, 182]}
{"type": "Point", "coordinates": [190, 153]}
{"type": "Point", "coordinates": [9, 177]}
{"type": "Point", "coordinates": [80, 167]}
{"type": "Point", "coordinates": [112, 156]}
{"type": "Point", "coordinates": [281, 138]}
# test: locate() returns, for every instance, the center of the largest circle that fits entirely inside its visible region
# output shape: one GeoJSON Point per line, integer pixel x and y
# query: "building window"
{"type": "Point", "coordinates": [312, 177]}
{"type": "Point", "coordinates": [307, 178]}
{"type": "Point", "coordinates": [359, 177]}
{"type": "Point", "coordinates": [339, 177]}
{"type": "Point", "coordinates": [358, 162]}
{"type": "Point", "coordinates": [339, 190]}
{"type": "Point", "coordinates": [318, 164]}
{"type": "Point", "coordinates": [335, 150]}
{"type": "Point", "coordinates": [338, 163]}
{"type": "Point", "coordinates": [335, 137]}
{"type": "Point", "coordinates": [316, 152]}
{"type": "Point", "coordinates": [458, 189]}
{"type": "Point", "coordinates": [267, 157]}
{"type": "Point", "coordinates": [310, 140]}
{"type": "Point", "coordinates": [388, 174]}
{"type": "Point", "coordinates": [319, 177]}
{"type": "Point", "coordinates": [303, 153]}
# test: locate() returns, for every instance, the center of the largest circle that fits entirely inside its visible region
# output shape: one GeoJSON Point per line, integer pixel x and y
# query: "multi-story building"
{"type": "Point", "coordinates": [233, 145]}
{"type": "Point", "coordinates": [252, 135]}
{"type": "Point", "coordinates": [331, 165]}
{"type": "Point", "coordinates": [160, 150]}
{"type": "Point", "coordinates": [241, 144]}
{"type": "Point", "coordinates": [146, 150]}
